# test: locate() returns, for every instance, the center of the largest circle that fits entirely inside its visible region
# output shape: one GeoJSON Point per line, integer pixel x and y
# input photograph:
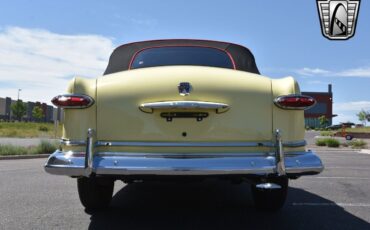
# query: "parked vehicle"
{"type": "Point", "coordinates": [183, 108]}
{"type": "Point", "coordinates": [333, 127]}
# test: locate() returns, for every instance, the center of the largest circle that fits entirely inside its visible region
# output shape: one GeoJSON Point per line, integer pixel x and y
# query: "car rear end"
{"type": "Point", "coordinates": [160, 121]}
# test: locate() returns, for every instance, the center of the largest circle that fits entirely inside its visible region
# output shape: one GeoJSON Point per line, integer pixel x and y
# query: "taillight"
{"type": "Point", "coordinates": [72, 101]}
{"type": "Point", "coordinates": [297, 102]}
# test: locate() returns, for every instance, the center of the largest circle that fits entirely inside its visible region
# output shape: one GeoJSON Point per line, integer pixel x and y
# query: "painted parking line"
{"type": "Point", "coordinates": [350, 168]}
{"type": "Point", "coordinates": [364, 151]}
{"type": "Point", "coordinates": [333, 204]}
{"type": "Point", "coordinates": [339, 177]}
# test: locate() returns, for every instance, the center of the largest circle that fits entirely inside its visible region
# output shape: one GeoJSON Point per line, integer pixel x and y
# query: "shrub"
{"type": "Point", "coordinates": [43, 128]}
{"type": "Point", "coordinates": [13, 150]}
{"type": "Point", "coordinates": [11, 133]}
{"type": "Point", "coordinates": [330, 142]}
{"type": "Point", "coordinates": [357, 144]}
{"type": "Point", "coordinates": [47, 147]}
{"type": "Point", "coordinates": [321, 142]}
{"type": "Point", "coordinates": [44, 147]}
{"type": "Point", "coordinates": [326, 133]}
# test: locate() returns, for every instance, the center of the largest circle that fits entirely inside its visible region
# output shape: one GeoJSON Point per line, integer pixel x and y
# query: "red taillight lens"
{"type": "Point", "coordinates": [72, 101]}
{"type": "Point", "coordinates": [300, 102]}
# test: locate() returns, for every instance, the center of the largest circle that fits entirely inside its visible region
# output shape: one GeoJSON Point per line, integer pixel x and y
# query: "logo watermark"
{"type": "Point", "coordinates": [338, 18]}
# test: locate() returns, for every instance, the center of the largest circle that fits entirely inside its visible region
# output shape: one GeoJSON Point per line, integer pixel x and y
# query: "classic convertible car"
{"type": "Point", "coordinates": [179, 109]}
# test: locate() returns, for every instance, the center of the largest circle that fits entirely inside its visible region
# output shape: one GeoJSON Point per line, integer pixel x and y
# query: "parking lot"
{"type": "Point", "coordinates": [339, 198]}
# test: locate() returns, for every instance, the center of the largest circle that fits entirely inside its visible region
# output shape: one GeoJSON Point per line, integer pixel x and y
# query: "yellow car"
{"type": "Point", "coordinates": [183, 109]}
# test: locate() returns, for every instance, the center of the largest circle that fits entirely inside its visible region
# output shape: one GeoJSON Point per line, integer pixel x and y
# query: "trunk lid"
{"type": "Point", "coordinates": [120, 95]}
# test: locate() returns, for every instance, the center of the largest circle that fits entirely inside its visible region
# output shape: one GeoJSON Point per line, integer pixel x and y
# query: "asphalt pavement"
{"type": "Point", "coordinates": [339, 198]}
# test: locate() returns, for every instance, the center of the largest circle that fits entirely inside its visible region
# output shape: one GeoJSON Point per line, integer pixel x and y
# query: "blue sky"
{"type": "Point", "coordinates": [45, 43]}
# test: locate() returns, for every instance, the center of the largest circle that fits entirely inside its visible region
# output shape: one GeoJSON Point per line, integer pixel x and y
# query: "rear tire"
{"type": "Point", "coordinates": [270, 200]}
{"type": "Point", "coordinates": [95, 193]}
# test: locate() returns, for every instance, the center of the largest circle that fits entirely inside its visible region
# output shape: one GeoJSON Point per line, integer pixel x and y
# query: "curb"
{"type": "Point", "coordinates": [21, 157]}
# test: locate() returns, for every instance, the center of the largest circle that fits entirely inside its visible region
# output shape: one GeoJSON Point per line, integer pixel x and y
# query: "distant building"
{"type": "Point", "coordinates": [323, 107]}
{"type": "Point", "coordinates": [50, 113]}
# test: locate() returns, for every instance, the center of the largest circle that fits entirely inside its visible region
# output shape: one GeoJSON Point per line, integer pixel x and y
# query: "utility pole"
{"type": "Point", "coordinates": [19, 90]}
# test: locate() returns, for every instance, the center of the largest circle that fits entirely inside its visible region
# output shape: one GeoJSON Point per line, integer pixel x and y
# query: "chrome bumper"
{"type": "Point", "coordinates": [129, 163]}
{"type": "Point", "coordinates": [119, 163]}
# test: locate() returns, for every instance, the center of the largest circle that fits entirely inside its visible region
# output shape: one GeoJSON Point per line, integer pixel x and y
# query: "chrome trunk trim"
{"type": "Point", "coordinates": [183, 105]}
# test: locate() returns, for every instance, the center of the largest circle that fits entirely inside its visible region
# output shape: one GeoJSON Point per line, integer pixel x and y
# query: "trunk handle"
{"type": "Point", "coordinates": [184, 105]}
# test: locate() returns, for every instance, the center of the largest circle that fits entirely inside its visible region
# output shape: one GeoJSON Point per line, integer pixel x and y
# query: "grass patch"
{"type": "Point", "coordinates": [326, 133]}
{"type": "Point", "coordinates": [357, 144]}
{"type": "Point", "coordinates": [28, 130]}
{"type": "Point", "coordinates": [44, 147]}
{"type": "Point", "coordinates": [330, 142]}
{"type": "Point", "coordinates": [359, 130]}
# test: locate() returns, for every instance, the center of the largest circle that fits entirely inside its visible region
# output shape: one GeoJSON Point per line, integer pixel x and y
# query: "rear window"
{"type": "Point", "coordinates": [182, 55]}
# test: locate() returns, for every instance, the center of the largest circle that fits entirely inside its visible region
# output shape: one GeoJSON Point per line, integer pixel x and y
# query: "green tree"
{"type": "Point", "coordinates": [362, 116]}
{"type": "Point", "coordinates": [37, 113]}
{"type": "Point", "coordinates": [323, 121]}
{"type": "Point", "coordinates": [19, 109]}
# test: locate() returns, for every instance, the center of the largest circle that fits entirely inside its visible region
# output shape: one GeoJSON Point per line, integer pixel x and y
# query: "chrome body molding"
{"type": "Point", "coordinates": [299, 143]}
{"type": "Point", "coordinates": [183, 105]}
{"type": "Point", "coordinates": [186, 144]}
{"type": "Point", "coordinates": [129, 163]}
{"type": "Point", "coordinates": [72, 142]}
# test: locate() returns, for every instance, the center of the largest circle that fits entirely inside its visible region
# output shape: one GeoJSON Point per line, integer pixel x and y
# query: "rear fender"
{"type": "Point", "coordinates": [78, 121]}
{"type": "Point", "coordinates": [290, 122]}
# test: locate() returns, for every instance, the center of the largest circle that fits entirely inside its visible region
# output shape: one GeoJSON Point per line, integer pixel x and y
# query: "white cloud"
{"type": "Point", "coordinates": [41, 62]}
{"type": "Point", "coordinates": [354, 106]}
{"type": "Point", "coordinates": [363, 72]}
{"type": "Point", "coordinates": [342, 117]}
{"type": "Point", "coordinates": [359, 72]}
{"type": "Point", "coordinates": [347, 111]}
{"type": "Point", "coordinates": [312, 72]}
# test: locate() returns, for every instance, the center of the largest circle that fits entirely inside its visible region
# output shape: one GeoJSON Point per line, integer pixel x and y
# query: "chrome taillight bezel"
{"type": "Point", "coordinates": [278, 100]}
{"type": "Point", "coordinates": [85, 97]}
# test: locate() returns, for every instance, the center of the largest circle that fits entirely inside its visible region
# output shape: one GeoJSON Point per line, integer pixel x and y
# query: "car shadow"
{"type": "Point", "coordinates": [215, 204]}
